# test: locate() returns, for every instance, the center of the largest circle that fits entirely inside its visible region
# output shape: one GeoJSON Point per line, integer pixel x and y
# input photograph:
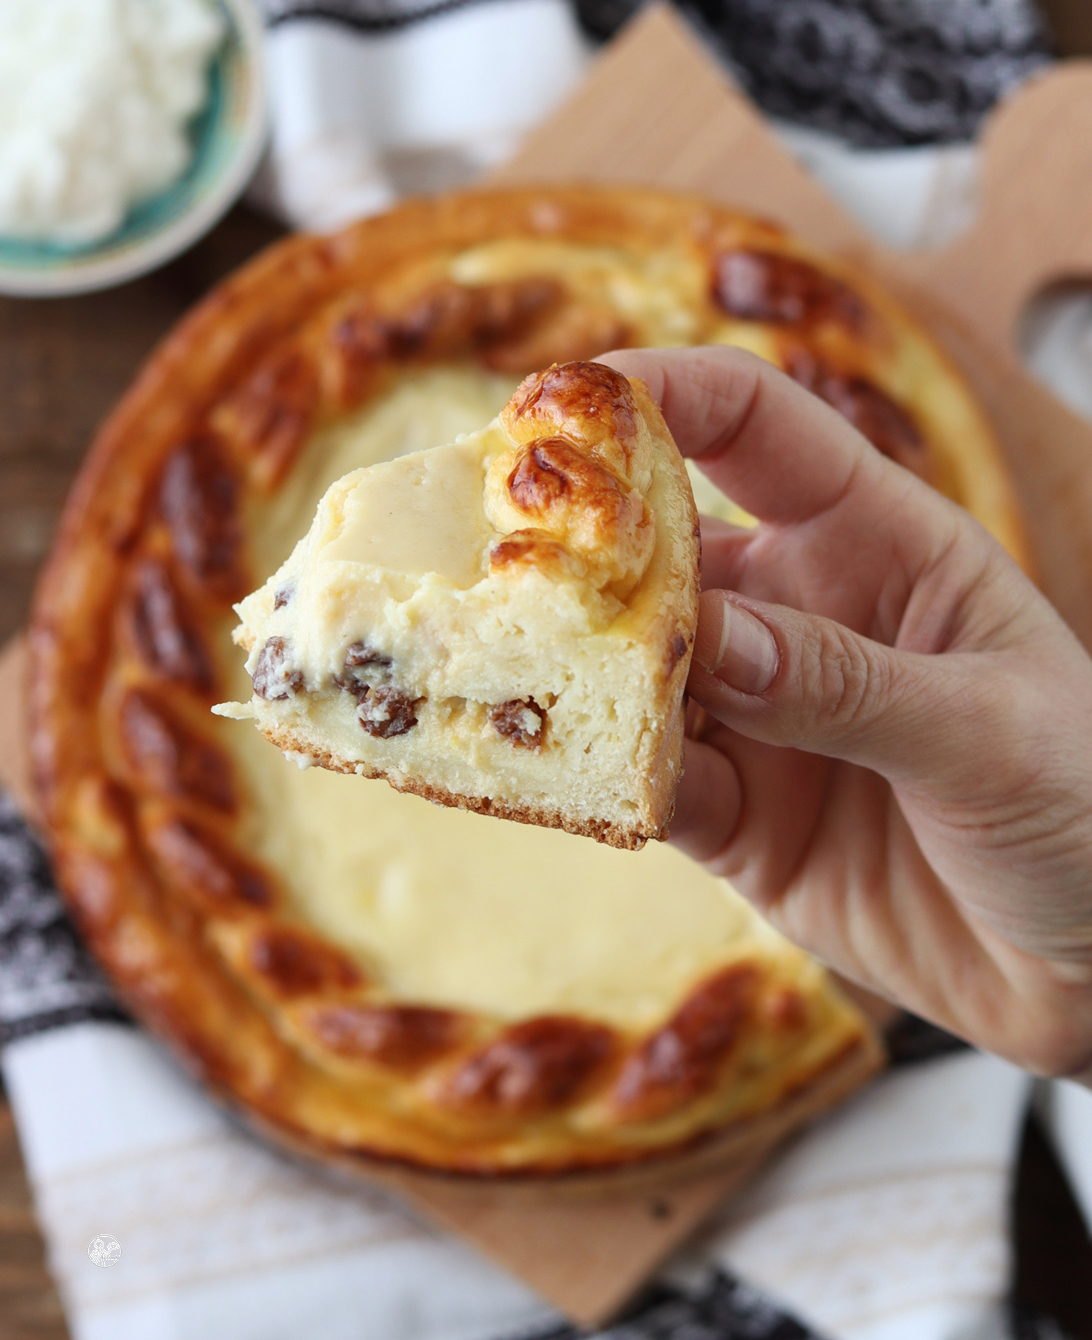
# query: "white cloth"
{"type": "Point", "coordinates": [886, 1221]}
{"type": "Point", "coordinates": [220, 1237]}
{"type": "Point", "coordinates": [1066, 1110]}
{"type": "Point", "coordinates": [359, 118]}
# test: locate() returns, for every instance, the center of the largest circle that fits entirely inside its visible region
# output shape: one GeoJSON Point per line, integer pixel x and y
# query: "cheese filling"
{"type": "Point", "coordinates": [456, 909]}
{"type": "Point", "coordinates": [418, 515]}
{"type": "Point", "coordinates": [421, 409]}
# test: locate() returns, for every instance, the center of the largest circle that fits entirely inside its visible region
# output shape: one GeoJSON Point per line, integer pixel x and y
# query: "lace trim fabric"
{"type": "Point", "coordinates": [878, 72]}
{"type": "Point", "coordinates": [47, 977]}
{"type": "Point", "coordinates": [719, 1308]}
{"type": "Point", "coordinates": [377, 16]}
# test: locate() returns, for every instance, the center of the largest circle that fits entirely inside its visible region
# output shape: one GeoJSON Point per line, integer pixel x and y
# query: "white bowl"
{"type": "Point", "coordinates": [228, 136]}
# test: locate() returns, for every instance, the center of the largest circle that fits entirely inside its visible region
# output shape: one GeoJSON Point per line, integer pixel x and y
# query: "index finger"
{"type": "Point", "coordinates": [770, 445]}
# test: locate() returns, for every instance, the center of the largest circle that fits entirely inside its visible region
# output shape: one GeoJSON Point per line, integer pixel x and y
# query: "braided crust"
{"type": "Point", "coordinates": [537, 673]}
{"type": "Point", "coordinates": [149, 806]}
{"type": "Point", "coordinates": [578, 471]}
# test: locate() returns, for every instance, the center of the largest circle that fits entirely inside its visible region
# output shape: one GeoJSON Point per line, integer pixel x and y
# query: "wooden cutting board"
{"type": "Point", "coordinates": [657, 110]}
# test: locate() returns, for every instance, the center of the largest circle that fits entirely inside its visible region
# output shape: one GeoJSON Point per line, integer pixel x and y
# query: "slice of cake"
{"type": "Point", "coordinates": [504, 623]}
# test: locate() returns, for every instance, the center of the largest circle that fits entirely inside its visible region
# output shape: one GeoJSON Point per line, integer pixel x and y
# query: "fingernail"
{"type": "Point", "coordinates": [735, 646]}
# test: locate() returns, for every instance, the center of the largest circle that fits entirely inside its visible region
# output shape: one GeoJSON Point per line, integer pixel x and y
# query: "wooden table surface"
{"type": "Point", "coordinates": [62, 365]}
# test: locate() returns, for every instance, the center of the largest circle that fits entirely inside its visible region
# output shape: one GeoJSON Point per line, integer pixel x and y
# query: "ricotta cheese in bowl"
{"type": "Point", "coordinates": [127, 129]}
{"type": "Point", "coordinates": [95, 97]}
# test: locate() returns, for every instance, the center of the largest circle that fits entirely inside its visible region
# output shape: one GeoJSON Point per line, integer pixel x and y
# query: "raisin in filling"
{"type": "Point", "coordinates": [386, 711]}
{"type": "Point", "coordinates": [364, 669]}
{"type": "Point", "coordinates": [360, 655]}
{"type": "Point", "coordinates": [274, 678]}
{"type": "Point", "coordinates": [383, 710]}
{"type": "Point", "coordinates": [521, 723]}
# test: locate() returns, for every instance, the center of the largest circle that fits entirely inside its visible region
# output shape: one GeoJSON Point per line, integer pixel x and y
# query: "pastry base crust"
{"type": "Point", "coordinates": [612, 835]}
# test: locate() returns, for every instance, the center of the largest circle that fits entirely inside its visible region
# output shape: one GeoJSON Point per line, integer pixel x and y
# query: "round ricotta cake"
{"type": "Point", "coordinates": [364, 975]}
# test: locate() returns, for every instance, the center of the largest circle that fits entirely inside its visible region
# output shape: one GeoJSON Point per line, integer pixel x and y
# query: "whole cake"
{"type": "Point", "coordinates": [362, 974]}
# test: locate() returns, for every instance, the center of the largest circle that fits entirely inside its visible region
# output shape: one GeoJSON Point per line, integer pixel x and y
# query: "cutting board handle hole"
{"type": "Point", "coordinates": [1054, 338]}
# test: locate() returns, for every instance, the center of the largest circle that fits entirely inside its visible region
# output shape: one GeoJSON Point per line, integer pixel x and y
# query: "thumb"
{"type": "Point", "coordinates": [782, 677]}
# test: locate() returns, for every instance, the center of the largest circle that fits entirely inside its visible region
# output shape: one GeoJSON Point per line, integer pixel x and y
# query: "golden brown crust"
{"type": "Point", "coordinates": [679, 1060]}
{"type": "Point", "coordinates": [164, 757]}
{"type": "Point", "coordinates": [197, 863]}
{"type": "Point", "coordinates": [763, 284]}
{"type": "Point", "coordinates": [401, 1037]}
{"type": "Point", "coordinates": [846, 339]}
{"type": "Point", "coordinates": [144, 812]}
{"type": "Point", "coordinates": [289, 963]}
{"type": "Point", "coordinates": [583, 400]}
{"type": "Point", "coordinates": [819, 1089]}
{"type": "Point", "coordinates": [558, 487]}
{"type": "Point", "coordinates": [164, 635]}
{"type": "Point", "coordinates": [576, 471]}
{"type": "Point", "coordinates": [531, 1068]}
{"type": "Point", "coordinates": [537, 549]}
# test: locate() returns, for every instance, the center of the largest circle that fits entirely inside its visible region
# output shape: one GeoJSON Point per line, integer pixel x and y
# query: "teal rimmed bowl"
{"type": "Point", "coordinates": [228, 137]}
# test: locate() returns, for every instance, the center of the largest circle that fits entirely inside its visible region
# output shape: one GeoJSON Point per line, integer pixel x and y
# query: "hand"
{"type": "Point", "coordinates": [896, 766]}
